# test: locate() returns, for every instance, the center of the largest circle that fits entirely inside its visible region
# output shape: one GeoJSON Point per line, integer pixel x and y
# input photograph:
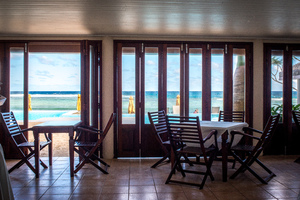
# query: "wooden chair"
{"type": "Point", "coordinates": [159, 124]}
{"type": "Point", "coordinates": [186, 130]}
{"type": "Point", "coordinates": [158, 121]}
{"type": "Point", "coordinates": [232, 116]}
{"type": "Point", "coordinates": [252, 152]}
{"type": "Point", "coordinates": [87, 150]}
{"type": "Point", "coordinates": [17, 136]}
{"type": "Point", "coordinates": [296, 117]}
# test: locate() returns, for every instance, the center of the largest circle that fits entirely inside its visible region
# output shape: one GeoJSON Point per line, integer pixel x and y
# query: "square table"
{"type": "Point", "coordinates": [223, 128]}
{"type": "Point", "coordinates": [54, 127]}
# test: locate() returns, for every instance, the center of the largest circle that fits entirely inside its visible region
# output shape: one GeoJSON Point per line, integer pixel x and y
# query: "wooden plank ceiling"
{"type": "Point", "coordinates": [164, 18]}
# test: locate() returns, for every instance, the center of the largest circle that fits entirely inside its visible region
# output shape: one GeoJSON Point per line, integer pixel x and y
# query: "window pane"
{"type": "Point", "coordinates": [128, 85]}
{"type": "Point", "coordinates": [151, 81]}
{"type": "Point", "coordinates": [238, 70]}
{"type": "Point", "coordinates": [54, 86]}
{"type": "Point", "coordinates": [173, 81]}
{"type": "Point", "coordinates": [277, 81]}
{"type": "Point", "coordinates": [17, 83]}
{"type": "Point", "coordinates": [195, 82]}
{"type": "Point", "coordinates": [296, 79]}
{"type": "Point", "coordinates": [217, 71]}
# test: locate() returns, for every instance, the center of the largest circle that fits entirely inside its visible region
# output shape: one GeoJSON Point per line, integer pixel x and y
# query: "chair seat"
{"type": "Point", "coordinates": [247, 148]}
{"type": "Point", "coordinates": [194, 150]}
{"type": "Point", "coordinates": [31, 144]}
{"type": "Point", "coordinates": [84, 144]}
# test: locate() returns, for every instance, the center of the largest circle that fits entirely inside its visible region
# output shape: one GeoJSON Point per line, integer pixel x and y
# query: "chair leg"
{"type": "Point", "coordinates": [100, 160]}
{"type": "Point", "coordinates": [297, 160]}
{"type": "Point", "coordinates": [246, 166]}
{"type": "Point", "coordinates": [43, 164]}
{"type": "Point", "coordinates": [160, 161]}
{"type": "Point", "coordinates": [173, 171]}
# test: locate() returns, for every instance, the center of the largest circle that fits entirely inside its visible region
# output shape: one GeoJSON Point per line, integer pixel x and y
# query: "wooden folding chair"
{"type": "Point", "coordinates": [159, 124]}
{"type": "Point", "coordinates": [17, 136]}
{"type": "Point", "coordinates": [252, 152]}
{"type": "Point", "coordinates": [186, 130]}
{"type": "Point", "coordinates": [87, 150]}
{"type": "Point", "coordinates": [158, 121]}
{"type": "Point", "coordinates": [232, 116]}
{"type": "Point", "coordinates": [296, 117]}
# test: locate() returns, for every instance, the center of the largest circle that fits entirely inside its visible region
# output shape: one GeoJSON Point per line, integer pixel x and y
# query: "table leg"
{"type": "Point", "coordinates": [37, 153]}
{"type": "Point", "coordinates": [224, 155]}
{"type": "Point", "coordinates": [50, 148]}
{"type": "Point", "coordinates": [71, 151]}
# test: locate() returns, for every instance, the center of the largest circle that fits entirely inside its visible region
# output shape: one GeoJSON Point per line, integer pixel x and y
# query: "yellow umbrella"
{"type": "Point", "coordinates": [79, 102]}
{"type": "Point", "coordinates": [29, 102]}
{"type": "Point", "coordinates": [178, 100]}
{"type": "Point", "coordinates": [131, 105]}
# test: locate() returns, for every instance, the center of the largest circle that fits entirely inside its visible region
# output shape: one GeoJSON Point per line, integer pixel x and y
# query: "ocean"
{"type": "Point", "coordinates": [65, 101]}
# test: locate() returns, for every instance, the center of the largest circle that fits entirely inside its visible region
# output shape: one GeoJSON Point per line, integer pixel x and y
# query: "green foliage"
{"type": "Point", "coordinates": [278, 109]}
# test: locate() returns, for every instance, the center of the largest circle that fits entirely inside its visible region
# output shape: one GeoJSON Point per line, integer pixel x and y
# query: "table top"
{"type": "Point", "coordinates": [58, 124]}
{"type": "Point", "coordinates": [222, 127]}
{"type": "Point", "coordinates": [222, 124]}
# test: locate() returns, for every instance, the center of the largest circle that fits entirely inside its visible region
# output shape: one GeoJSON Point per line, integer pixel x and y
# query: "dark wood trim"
{"type": "Point", "coordinates": [287, 100]}
{"type": "Point", "coordinates": [228, 79]}
{"type": "Point", "coordinates": [187, 78]}
{"type": "Point", "coordinates": [206, 83]}
{"type": "Point", "coordinates": [182, 80]}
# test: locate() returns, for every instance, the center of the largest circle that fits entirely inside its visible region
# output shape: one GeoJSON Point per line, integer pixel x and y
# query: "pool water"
{"type": "Point", "coordinates": [39, 114]}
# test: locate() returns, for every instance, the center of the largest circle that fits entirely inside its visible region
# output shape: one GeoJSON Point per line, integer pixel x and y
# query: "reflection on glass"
{"type": "Point", "coordinates": [173, 81]}
{"type": "Point", "coordinates": [151, 81]}
{"type": "Point", "coordinates": [17, 83]}
{"type": "Point", "coordinates": [195, 82]}
{"type": "Point", "coordinates": [217, 71]}
{"type": "Point", "coordinates": [277, 80]}
{"type": "Point", "coordinates": [128, 85]}
{"type": "Point", "coordinates": [238, 70]}
{"type": "Point", "coordinates": [54, 85]}
{"type": "Point", "coordinates": [296, 78]}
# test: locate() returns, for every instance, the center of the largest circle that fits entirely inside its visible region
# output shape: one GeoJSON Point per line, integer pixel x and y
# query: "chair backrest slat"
{"type": "Point", "coordinates": [187, 131]}
{"type": "Point", "coordinates": [12, 128]}
{"type": "Point", "coordinates": [159, 123]}
{"type": "Point", "coordinates": [232, 116]}
{"type": "Point", "coordinates": [296, 117]}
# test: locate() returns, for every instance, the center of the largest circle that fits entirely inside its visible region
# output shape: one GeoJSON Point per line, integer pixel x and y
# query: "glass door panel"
{"type": "Point", "coordinates": [128, 85]}
{"type": "Point", "coordinates": [151, 81]}
{"type": "Point", "coordinates": [238, 70]}
{"type": "Point", "coordinates": [195, 82]}
{"type": "Point", "coordinates": [217, 82]}
{"type": "Point", "coordinates": [173, 80]}
{"type": "Point", "coordinates": [54, 86]}
{"type": "Point", "coordinates": [17, 83]}
{"type": "Point", "coordinates": [276, 81]}
{"type": "Point", "coordinates": [296, 79]}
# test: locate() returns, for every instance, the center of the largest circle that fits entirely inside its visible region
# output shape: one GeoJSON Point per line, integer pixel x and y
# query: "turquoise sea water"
{"type": "Point", "coordinates": [61, 103]}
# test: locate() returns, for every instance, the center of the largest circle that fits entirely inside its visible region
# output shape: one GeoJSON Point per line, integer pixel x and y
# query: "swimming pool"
{"type": "Point", "coordinates": [39, 114]}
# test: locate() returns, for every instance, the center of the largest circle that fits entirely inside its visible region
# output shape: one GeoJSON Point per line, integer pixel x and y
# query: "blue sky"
{"type": "Point", "coordinates": [61, 72]}
{"type": "Point", "coordinates": [173, 72]}
{"type": "Point", "coordinates": [47, 71]}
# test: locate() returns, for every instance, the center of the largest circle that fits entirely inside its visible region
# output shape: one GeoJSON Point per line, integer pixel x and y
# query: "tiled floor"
{"type": "Point", "coordinates": [134, 179]}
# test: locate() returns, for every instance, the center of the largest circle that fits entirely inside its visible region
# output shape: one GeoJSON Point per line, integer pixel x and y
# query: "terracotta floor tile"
{"type": "Point", "coordinates": [134, 179]}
